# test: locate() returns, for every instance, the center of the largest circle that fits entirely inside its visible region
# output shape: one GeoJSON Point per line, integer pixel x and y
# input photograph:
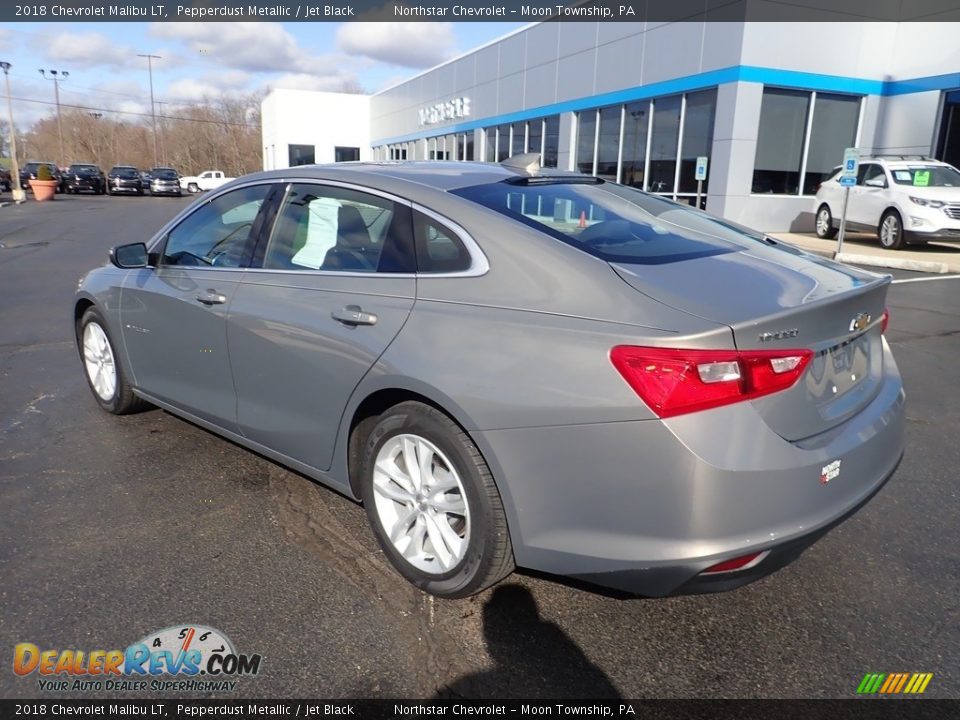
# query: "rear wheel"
{"type": "Point", "coordinates": [825, 228]}
{"type": "Point", "coordinates": [891, 230]}
{"type": "Point", "coordinates": [433, 504]}
{"type": "Point", "coordinates": [103, 371]}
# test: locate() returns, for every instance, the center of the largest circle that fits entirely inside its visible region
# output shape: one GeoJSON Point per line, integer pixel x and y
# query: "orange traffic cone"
{"type": "Point", "coordinates": [583, 218]}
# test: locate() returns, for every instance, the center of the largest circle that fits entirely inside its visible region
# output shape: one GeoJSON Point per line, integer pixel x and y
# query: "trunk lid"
{"type": "Point", "coordinates": [775, 297]}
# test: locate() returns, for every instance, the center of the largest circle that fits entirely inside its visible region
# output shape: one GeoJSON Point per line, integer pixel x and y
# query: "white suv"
{"type": "Point", "coordinates": [904, 199]}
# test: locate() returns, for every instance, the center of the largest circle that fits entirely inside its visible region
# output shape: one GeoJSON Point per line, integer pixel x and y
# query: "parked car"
{"type": "Point", "coordinates": [124, 179]}
{"type": "Point", "coordinates": [5, 179]}
{"type": "Point", "coordinates": [905, 200]}
{"type": "Point", "coordinates": [29, 172]}
{"type": "Point", "coordinates": [514, 368]}
{"type": "Point", "coordinates": [85, 177]}
{"type": "Point", "coordinates": [207, 180]}
{"type": "Point", "coordinates": [165, 181]}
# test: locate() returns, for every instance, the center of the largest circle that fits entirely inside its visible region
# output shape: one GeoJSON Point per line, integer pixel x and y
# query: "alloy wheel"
{"type": "Point", "coordinates": [421, 503]}
{"type": "Point", "coordinates": [99, 362]}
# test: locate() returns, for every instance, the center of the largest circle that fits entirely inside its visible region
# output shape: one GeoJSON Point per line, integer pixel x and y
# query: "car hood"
{"type": "Point", "coordinates": [945, 194]}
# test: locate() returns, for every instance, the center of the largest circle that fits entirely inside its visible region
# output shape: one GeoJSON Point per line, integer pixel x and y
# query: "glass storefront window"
{"type": "Point", "coordinates": [635, 125]}
{"type": "Point", "coordinates": [586, 139]}
{"type": "Point", "coordinates": [490, 144]}
{"type": "Point", "coordinates": [834, 129]}
{"type": "Point", "coordinates": [783, 122]}
{"type": "Point", "coordinates": [663, 145]}
{"type": "Point", "coordinates": [608, 142]}
{"type": "Point", "coordinates": [534, 137]}
{"type": "Point", "coordinates": [300, 155]}
{"type": "Point", "coordinates": [697, 138]}
{"type": "Point", "coordinates": [503, 142]}
{"type": "Point", "coordinates": [519, 138]}
{"type": "Point", "coordinates": [551, 141]}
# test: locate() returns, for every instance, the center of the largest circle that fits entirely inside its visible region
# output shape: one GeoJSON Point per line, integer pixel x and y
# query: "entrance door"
{"type": "Point", "coordinates": [948, 149]}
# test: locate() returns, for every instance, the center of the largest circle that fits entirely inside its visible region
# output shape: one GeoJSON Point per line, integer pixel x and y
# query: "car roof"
{"type": "Point", "coordinates": [437, 174]}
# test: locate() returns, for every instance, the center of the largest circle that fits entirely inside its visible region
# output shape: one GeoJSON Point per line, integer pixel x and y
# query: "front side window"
{"type": "Point", "coordinates": [330, 228]}
{"type": "Point", "coordinates": [218, 233]}
{"type": "Point", "coordinates": [873, 174]}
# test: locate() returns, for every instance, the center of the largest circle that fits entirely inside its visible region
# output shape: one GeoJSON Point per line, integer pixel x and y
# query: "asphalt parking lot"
{"type": "Point", "coordinates": [114, 527]}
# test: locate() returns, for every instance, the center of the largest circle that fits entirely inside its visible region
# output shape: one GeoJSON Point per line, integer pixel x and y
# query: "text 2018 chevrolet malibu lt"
{"type": "Point", "coordinates": [512, 368]}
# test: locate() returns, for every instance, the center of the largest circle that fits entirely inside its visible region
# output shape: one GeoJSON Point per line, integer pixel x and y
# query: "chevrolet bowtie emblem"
{"type": "Point", "coordinates": [860, 322]}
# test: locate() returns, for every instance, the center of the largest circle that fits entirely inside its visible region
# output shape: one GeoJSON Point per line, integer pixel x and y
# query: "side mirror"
{"type": "Point", "coordinates": [875, 182]}
{"type": "Point", "coordinates": [133, 255]}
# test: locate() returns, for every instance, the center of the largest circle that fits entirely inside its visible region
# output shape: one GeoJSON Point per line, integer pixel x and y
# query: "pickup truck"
{"type": "Point", "coordinates": [207, 180]}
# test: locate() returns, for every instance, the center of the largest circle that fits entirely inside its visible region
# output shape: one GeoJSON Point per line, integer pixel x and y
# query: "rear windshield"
{"type": "Point", "coordinates": [613, 222]}
{"type": "Point", "coordinates": [82, 170]}
{"type": "Point", "coordinates": [163, 174]}
{"type": "Point", "coordinates": [926, 176]}
{"type": "Point", "coordinates": [125, 172]}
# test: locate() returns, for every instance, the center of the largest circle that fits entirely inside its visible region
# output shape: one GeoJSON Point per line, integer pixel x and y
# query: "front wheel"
{"type": "Point", "coordinates": [891, 230]}
{"type": "Point", "coordinates": [193, 187]}
{"type": "Point", "coordinates": [103, 371]}
{"type": "Point", "coordinates": [432, 503]}
{"type": "Point", "coordinates": [825, 228]}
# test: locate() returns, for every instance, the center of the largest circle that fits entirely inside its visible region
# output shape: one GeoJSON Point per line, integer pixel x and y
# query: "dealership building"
{"type": "Point", "coordinates": [770, 105]}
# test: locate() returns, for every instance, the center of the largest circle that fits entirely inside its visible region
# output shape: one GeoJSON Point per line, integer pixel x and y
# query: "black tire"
{"type": "Point", "coordinates": [123, 401]}
{"type": "Point", "coordinates": [824, 223]}
{"type": "Point", "coordinates": [890, 230]}
{"type": "Point", "coordinates": [488, 557]}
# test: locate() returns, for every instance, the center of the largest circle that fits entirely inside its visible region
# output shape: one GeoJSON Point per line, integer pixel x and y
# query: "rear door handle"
{"type": "Point", "coordinates": [353, 315]}
{"type": "Point", "coordinates": [211, 297]}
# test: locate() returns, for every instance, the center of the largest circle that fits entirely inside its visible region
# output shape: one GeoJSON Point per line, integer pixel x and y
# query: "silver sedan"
{"type": "Point", "coordinates": [513, 368]}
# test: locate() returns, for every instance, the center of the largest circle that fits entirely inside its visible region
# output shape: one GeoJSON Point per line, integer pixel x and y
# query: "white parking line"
{"type": "Point", "coordinates": [927, 279]}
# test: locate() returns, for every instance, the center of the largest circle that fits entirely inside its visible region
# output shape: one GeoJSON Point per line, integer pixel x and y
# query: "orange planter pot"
{"type": "Point", "coordinates": [43, 189]}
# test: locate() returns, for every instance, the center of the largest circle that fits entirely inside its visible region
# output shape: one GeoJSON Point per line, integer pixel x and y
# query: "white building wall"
{"type": "Point", "coordinates": [322, 119]}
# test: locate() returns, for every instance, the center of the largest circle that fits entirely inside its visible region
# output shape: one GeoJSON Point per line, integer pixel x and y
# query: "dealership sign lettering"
{"type": "Point", "coordinates": [449, 110]}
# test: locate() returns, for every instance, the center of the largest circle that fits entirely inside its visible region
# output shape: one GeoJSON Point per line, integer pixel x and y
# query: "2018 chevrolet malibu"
{"type": "Point", "coordinates": [512, 368]}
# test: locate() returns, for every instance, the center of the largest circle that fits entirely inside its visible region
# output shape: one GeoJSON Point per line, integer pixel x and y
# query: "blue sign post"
{"type": "Point", "coordinates": [848, 178]}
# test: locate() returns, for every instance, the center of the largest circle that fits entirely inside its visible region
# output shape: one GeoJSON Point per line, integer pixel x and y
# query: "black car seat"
{"type": "Point", "coordinates": [353, 250]}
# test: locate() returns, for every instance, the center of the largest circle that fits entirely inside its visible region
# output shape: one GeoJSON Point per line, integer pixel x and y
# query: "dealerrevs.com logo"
{"type": "Point", "coordinates": [182, 658]}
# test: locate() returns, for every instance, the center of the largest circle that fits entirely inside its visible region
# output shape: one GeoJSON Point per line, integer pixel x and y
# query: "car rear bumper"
{"type": "Point", "coordinates": [647, 506]}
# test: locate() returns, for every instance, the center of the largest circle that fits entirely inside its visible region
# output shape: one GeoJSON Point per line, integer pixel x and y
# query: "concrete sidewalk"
{"type": "Point", "coordinates": [865, 249]}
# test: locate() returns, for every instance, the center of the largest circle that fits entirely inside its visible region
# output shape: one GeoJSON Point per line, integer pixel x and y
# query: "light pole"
{"type": "Point", "coordinates": [18, 195]}
{"type": "Point", "coordinates": [57, 76]}
{"type": "Point", "coordinates": [96, 116]}
{"type": "Point", "coordinates": [163, 151]}
{"type": "Point", "coordinates": [153, 108]}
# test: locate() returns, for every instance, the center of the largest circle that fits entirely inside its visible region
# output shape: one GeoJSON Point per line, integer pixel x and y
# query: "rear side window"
{"type": "Point", "coordinates": [439, 248]}
{"type": "Point", "coordinates": [335, 229]}
{"type": "Point", "coordinates": [612, 222]}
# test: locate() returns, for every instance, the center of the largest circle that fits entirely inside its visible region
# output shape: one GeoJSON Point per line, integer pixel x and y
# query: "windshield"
{"type": "Point", "coordinates": [125, 172]}
{"type": "Point", "coordinates": [613, 222]}
{"type": "Point", "coordinates": [82, 170]}
{"type": "Point", "coordinates": [926, 176]}
{"type": "Point", "coordinates": [163, 174]}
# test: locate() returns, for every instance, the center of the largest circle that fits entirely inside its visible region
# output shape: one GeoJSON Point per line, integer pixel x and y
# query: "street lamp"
{"type": "Point", "coordinates": [57, 76]}
{"type": "Point", "coordinates": [18, 194]}
{"type": "Point", "coordinates": [153, 107]}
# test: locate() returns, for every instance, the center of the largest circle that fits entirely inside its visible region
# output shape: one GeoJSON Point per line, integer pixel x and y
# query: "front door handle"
{"type": "Point", "coordinates": [211, 297]}
{"type": "Point", "coordinates": [353, 315]}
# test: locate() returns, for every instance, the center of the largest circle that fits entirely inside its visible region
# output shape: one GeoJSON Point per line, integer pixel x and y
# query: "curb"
{"type": "Point", "coordinates": [896, 263]}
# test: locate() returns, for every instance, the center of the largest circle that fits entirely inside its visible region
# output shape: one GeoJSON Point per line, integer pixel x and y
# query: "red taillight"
{"type": "Point", "coordinates": [884, 321]}
{"type": "Point", "coordinates": [674, 382]}
{"type": "Point", "coordinates": [741, 563]}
